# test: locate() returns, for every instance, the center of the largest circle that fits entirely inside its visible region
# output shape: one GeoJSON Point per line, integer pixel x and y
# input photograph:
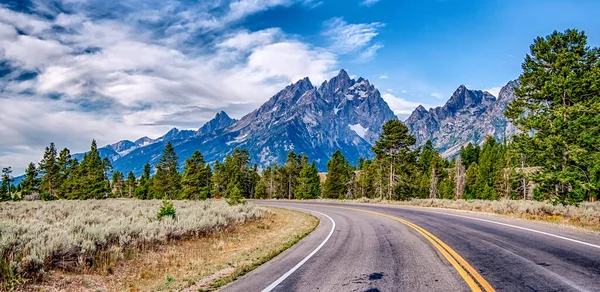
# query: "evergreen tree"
{"type": "Point", "coordinates": [49, 171]}
{"type": "Point", "coordinates": [91, 179]}
{"type": "Point", "coordinates": [65, 166]}
{"type": "Point", "coordinates": [394, 146]}
{"type": "Point", "coordinates": [130, 185]}
{"type": "Point", "coordinates": [196, 178]}
{"type": "Point", "coordinates": [557, 109]}
{"type": "Point", "coordinates": [5, 191]}
{"type": "Point", "coordinates": [30, 184]}
{"type": "Point", "coordinates": [143, 189]}
{"type": "Point", "coordinates": [335, 186]}
{"type": "Point", "coordinates": [166, 181]}
{"type": "Point", "coordinates": [308, 182]}
{"type": "Point", "coordinates": [469, 154]}
{"type": "Point", "coordinates": [292, 170]}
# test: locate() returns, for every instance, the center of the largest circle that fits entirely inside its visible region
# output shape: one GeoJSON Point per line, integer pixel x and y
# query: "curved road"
{"type": "Point", "coordinates": [360, 247]}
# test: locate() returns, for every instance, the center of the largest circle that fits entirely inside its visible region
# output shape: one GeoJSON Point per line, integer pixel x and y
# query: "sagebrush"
{"type": "Point", "coordinates": [72, 235]}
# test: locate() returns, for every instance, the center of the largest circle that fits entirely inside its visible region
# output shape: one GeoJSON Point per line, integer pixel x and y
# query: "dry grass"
{"type": "Point", "coordinates": [82, 236]}
{"type": "Point", "coordinates": [195, 264]}
{"type": "Point", "coordinates": [586, 215]}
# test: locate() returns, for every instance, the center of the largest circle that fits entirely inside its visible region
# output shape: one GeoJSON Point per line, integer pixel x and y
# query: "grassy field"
{"type": "Point", "coordinates": [586, 215]}
{"type": "Point", "coordinates": [194, 264]}
{"type": "Point", "coordinates": [94, 236]}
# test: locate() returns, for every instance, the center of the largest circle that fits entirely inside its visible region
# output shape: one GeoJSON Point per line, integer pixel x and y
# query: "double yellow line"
{"type": "Point", "coordinates": [475, 281]}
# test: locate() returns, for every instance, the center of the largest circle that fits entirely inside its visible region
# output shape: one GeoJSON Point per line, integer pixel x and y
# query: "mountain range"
{"type": "Point", "coordinates": [468, 116]}
{"type": "Point", "coordinates": [341, 113]}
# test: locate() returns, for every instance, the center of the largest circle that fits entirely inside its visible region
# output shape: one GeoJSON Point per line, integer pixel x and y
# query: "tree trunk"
{"type": "Point", "coordinates": [524, 182]}
{"type": "Point", "coordinates": [290, 186]}
{"type": "Point", "coordinates": [433, 184]}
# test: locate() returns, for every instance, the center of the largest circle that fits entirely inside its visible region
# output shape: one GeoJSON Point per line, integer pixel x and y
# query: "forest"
{"type": "Point", "coordinates": [555, 156]}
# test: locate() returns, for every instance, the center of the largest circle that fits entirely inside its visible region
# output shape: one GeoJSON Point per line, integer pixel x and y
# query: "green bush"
{"type": "Point", "coordinates": [166, 209]}
{"type": "Point", "coordinates": [235, 197]}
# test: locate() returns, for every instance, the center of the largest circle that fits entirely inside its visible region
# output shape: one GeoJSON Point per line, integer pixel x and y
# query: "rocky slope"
{"type": "Point", "coordinates": [341, 113]}
{"type": "Point", "coordinates": [468, 116]}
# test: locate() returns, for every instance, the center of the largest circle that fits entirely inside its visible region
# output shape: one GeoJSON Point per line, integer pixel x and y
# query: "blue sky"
{"type": "Point", "coordinates": [74, 70]}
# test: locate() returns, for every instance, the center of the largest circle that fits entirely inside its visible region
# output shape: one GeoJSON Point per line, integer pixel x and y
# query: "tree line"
{"type": "Point", "coordinates": [554, 157]}
{"type": "Point", "coordinates": [60, 176]}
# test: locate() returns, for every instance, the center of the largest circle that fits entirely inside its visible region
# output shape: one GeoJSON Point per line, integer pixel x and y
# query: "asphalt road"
{"type": "Point", "coordinates": [363, 247]}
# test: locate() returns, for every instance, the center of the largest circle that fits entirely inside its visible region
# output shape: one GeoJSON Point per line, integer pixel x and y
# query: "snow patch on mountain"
{"type": "Point", "coordinates": [359, 130]}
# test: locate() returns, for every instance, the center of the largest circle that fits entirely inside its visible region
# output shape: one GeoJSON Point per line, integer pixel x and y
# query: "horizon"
{"type": "Point", "coordinates": [116, 70]}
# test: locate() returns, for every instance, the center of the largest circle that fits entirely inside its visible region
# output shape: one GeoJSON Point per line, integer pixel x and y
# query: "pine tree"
{"type": "Point", "coordinates": [394, 146]}
{"type": "Point", "coordinates": [49, 171]}
{"type": "Point", "coordinates": [30, 184]}
{"type": "Point", "coordinates": [337, 175]}
{"type": "Point", "coordinates": [557, 109]}
{"type": "Point", "coordinates": [91, 179]}
{"type": "Point", "coordinates": [5, 191]}
{"type": "Point", "coordinates": [469, 154]}
{"type": "Point", "coordinates": [196, 178]}
{"type": "Point", "coordinates": [166, 181]}
{"type": "Point", "coordinates": [143, 189]}
{"type": "Point", "coordinates": [130, 185]}
{"type": "Point", "coordinates": [65, 166]}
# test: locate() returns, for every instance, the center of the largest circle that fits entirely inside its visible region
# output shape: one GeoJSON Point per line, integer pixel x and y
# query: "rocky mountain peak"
{"type": "Point", "coordinates": [143, 141]}
{"type": "Point", "coordinates": [463, 98]}
{"type": "Point", "coordinates": [220, 121]}
{"type": "Point", "coordinates": [508, 90]}
{"type": "Point", "coordinates": [468, 116]}
{"type": "Point", "coordinates": [418, 113]}
{"type": "Point", "coordinates": [336, 84]}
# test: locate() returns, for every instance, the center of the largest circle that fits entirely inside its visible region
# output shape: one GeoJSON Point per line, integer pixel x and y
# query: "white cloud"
{"type": "Point", "coordinates": [437, 95]}
{"type": "Point", "coordinates": [132, 82]}
{"type": "Point", "coordinates": [369, 53]}
{"type": "Point", "coordinates": [400, 106]}
{"type": "Point", "coordinates": [369, 2]}
{"type": "Point", "coordinates": [245, 40]}
{"type": "Point", "coordinates": [349, 38]}
{"type": "Point", "coordinates": [494, 90]}
{"type": "Point", "coordinates": [384, 77]}
{"type": "Point", "coordinates": [30, 52]}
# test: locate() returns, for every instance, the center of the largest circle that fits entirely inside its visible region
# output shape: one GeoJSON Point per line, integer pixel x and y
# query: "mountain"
{"type": "Point", "coordinates": [342, 113]}
{"type": "Point", "coordinates": [468, 116]}
{"type": "Point", "coordinates": [220, 121]}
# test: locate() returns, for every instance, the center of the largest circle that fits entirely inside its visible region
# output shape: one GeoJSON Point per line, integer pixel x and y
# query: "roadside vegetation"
{"type": "Point", "coordinates": [81, 236]}
{"type": "Point", "coordinates": [195, 263]}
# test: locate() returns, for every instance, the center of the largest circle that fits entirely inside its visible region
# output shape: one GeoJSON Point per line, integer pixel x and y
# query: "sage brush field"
{"type": "Point", "coordinates": [80, 235]}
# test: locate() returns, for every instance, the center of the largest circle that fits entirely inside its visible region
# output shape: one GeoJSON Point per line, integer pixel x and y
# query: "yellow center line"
{"type": "Point", "coordinates": [473, 279]}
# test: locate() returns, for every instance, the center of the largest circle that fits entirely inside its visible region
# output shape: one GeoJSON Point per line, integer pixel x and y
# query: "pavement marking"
{"type": "Point", "coordinates": [473, 279]}
{"type": "Point", "coordinates": [298, 265]}
{"type": "Point", "coordinates": [522, 228]}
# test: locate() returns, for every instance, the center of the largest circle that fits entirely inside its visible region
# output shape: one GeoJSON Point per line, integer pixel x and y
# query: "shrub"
{"type": "Point", "coordinates": [235, 197]}
{"type": "Point", "coordinates": [166, 209]}
{"type": "Point", "coordinates": [36, 236]}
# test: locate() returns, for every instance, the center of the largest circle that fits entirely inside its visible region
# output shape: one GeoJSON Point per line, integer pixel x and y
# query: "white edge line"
{"type": "Point", "coordinates": [510, 225]}
{"type": "Point", "coordinates": [527, 229]}
{"type": "Point", "coordinates": [298, 265]}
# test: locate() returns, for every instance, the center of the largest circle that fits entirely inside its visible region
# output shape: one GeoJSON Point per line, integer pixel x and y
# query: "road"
{"type": "Point", "coordinates": [363, 247]}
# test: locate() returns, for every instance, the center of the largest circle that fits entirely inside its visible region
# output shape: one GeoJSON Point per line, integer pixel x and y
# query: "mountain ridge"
{"type": "Point", "coordinates": [341, 113]}
{"type": "Point", "coordinates": [469, 116]}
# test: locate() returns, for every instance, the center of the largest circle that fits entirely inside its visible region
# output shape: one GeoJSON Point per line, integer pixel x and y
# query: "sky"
{"type": "Point", "coordinates": [76, 70]}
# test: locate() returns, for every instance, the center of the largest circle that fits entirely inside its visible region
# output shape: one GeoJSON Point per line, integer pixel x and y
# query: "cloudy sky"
{"type": "Point", "coordinates": [76, 70]}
